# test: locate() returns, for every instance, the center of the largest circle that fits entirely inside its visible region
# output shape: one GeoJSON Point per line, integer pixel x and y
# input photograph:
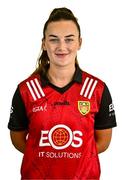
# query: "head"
{"type": "Point", "coordinates": [61, 39]}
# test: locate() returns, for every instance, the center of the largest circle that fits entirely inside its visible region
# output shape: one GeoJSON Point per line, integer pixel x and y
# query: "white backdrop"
{"type": "Point", "coordinates": [102, 54]}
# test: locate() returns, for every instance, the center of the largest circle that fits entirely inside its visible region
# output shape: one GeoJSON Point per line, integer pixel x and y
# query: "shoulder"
{"type": "Point", "coordinates": [92, 86]}
{"type": "Point", "coordinates": [31, 87]}
{"type": "Point", "coordinates": [29, 84]}
{"type": "Point", "coordinates": [30, 79]}
{"type": "Point", "coordinates": [91, 79]}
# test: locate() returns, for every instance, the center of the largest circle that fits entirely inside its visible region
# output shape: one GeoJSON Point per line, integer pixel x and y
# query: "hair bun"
{"type": "Point", "coordinates": [62, 10]}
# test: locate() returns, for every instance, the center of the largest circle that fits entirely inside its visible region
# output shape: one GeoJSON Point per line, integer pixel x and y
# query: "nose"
{"type": "Point", "coordinates": [61, 45]}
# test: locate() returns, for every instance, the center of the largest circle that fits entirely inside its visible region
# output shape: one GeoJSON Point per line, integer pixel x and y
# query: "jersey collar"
{"type": "Point", "coordinates": [77, 77]}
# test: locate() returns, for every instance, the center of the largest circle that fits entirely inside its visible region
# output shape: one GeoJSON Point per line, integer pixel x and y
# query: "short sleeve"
{"type": "Point", "coordinates": [18, 118]}
{"type": "Point", "coordinates": [105, 118]}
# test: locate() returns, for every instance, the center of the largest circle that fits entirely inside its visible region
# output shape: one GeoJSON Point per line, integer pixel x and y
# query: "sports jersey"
{"type": "Point", "coordinates": [61, 124]}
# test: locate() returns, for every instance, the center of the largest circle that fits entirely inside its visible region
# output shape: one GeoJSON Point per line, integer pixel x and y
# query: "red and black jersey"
{"type": "Point", "coordinates": [61, 124]}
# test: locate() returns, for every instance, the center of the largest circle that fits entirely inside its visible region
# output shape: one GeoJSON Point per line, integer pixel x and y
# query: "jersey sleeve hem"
{"type": "Point", "coordinates": [12, 128]}
{"type": "Point", "coordinates": [106, 126]}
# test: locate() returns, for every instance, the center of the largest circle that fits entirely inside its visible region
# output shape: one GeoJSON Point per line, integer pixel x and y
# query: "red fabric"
{"type": "Point", "coordinates": [61, 141]}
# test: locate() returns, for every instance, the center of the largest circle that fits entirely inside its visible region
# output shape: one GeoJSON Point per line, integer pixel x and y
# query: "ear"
{"type": "Point", "coordinates": [43, 45]}
{"type": "Point", "coordinates": [80, 43]}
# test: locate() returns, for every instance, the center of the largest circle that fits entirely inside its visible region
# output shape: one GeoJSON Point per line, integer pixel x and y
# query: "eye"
{"type": "Point", "coordinates": [68, 40]}
{"type": "Point", "coordinates": [54, 40]}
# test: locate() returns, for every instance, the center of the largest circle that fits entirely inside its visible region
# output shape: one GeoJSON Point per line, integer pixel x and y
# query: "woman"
{"type": "Point", "coordinates": [61, 117]}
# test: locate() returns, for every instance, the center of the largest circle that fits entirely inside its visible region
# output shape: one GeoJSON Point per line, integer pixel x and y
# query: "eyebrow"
{"type": "Point", "coordinates": [70, 35]}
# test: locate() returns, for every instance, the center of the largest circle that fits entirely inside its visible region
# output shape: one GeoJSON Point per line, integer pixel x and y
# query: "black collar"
{"type": "Point", "coordinates": [77, 77]}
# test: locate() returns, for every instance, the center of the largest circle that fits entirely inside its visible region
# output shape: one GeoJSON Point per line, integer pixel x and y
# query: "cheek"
{"type": "Point", "coordinates": [75, 48]}
{"type": "Point", "coordinates": [50, 48]}
{"type": "Point", "coordinates": [50, 52]}
{"type": "Point", "coordinates": [75, 45]}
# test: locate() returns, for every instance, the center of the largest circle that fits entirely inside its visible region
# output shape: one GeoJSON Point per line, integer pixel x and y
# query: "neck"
{"type": "Point", "coordinates": [60, 77]}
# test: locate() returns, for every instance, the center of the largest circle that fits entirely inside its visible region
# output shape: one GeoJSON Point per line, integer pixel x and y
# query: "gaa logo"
{"type": "Point", "coordinates": [61, 137]}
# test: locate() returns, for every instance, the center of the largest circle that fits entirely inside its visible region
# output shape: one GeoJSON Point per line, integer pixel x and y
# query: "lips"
{"type": "Point", "coordinates": [61, 55]}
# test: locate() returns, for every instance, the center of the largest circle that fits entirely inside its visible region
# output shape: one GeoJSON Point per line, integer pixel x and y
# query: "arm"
{"type": "Point", "coordinates": [18, 139]}
{"type": "Point", "coordinates": [104, 121]}
{"type": "Point", "coordinates": [103, 139]}
{"type": "Point", "coordinates": [18, 122]}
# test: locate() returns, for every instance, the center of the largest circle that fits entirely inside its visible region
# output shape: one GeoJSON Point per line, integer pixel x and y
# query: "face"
{"type": "Point", "coordinates": [62, 42]}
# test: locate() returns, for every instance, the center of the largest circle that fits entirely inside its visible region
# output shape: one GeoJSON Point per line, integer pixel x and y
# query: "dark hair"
{"type": "Point", "coordinates": [56, 15]}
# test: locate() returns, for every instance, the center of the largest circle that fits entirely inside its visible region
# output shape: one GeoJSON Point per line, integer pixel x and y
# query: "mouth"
{"type": "Point", "coordinates": [61, 55]}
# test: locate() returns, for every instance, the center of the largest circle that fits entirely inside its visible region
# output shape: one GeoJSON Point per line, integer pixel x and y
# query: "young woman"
{"type": "Point", "coordinates": [61, 116]}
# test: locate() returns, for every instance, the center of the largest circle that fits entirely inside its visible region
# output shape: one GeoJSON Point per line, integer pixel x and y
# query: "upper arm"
{"type": "Point", "coordinates": [19, 139]}
{"type": "Point", "coordinates": [105, 118]}
{"type": "Point", "coordinates": [18, 136]}
{"type": "Point", "coordinates": [18, 122]}
{"type": "Point", "coordinates": [18, 117]}
{"type": "Point", "coordinates": [103, 139]}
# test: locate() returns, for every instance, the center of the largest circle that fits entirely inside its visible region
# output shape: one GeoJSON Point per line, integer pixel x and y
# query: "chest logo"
{"type": "Point", "coordinates": [84, 107]}
{"type": "Point", "coordinates": [60, 137]}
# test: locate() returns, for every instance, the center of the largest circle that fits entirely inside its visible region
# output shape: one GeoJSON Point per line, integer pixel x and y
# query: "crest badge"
{"type": "Point", "coordinates": [84, 107]}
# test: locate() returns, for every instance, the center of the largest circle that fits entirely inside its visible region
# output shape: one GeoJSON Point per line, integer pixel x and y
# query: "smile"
{"type": "Point", "coordinates": [61, 55]}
